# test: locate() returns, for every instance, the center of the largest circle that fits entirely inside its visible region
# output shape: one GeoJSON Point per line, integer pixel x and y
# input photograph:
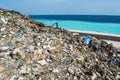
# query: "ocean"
{"type": "Point", "coordinates": [96, 23]}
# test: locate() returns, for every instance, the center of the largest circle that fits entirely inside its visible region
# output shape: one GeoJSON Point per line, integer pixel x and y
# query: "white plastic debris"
{"type": "Point", "coordinates": [42, 62]}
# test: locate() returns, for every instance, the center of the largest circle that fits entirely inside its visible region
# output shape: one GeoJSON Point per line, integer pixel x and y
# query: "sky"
{"type": "Point", "coordinates": [78, 7]}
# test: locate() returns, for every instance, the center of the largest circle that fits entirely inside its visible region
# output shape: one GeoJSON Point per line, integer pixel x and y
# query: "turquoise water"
{"type": "Point", "coordinates": [85, 26]}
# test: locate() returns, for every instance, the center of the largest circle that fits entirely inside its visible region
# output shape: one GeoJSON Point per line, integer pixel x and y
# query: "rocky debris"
{"type": "Point", "coordinates": [118, 75]}
{"type": "Point", "coordinates": [71, 69]}
{"type": "Point", "coordinates": [30, 50]}
{"type": "Point", "coordinates": [17, 53]}
{"type": "Point", "coordinates": [42, 62]}
{"type": "Point", "coordinates": [2, 69]}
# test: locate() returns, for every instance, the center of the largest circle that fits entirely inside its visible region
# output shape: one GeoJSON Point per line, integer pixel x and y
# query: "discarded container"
{"type": "Point", "coordinates": [87, 39]}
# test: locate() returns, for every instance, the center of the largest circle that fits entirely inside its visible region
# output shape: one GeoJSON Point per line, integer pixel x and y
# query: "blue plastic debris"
{"type": "Point", "coordinates": [87, 39]}
{"type": "Point", "coordinates": [112, 62]}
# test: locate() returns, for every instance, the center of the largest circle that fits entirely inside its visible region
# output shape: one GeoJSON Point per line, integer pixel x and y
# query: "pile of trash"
{"type": "Point", "coordinates": [29, 50]}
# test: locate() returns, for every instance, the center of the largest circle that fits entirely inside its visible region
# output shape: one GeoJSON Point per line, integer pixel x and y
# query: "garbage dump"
{"type": "Point", "coordinates": [29, 50]}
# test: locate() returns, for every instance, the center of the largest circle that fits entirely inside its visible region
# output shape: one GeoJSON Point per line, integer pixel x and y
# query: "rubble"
{"type": "Point", "coordinates": [42, 62]}
{"type": "Point", "coordinates": [2, 69]}
{"type": "Point", "coordinates": [17, 53]}
{"type": "Point", "coordinates": [29, 50]}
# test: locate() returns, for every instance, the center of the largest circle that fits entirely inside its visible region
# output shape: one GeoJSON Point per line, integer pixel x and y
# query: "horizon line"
{"type": "Point", "coordinates": [72, 14]}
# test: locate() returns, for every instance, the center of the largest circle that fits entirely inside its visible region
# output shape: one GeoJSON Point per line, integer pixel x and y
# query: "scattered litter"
{"type": "Point", "coordinates": [30, 50]}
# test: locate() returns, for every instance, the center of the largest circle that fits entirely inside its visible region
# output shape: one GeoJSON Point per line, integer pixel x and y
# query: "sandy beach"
{"type": "Point", "coordinates": [115, 43]}
{"type": "Point", "coordinates": [97, 33]}
{"type": "Point", "coordinates": [108, 36]}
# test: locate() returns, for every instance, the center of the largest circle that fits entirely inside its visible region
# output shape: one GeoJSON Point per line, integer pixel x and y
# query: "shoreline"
{"type": "Point", "coordinates": [108, 37]}
{"type": "Point", "coordinates": [97, 33]}
{"type": "Point", "coordinates": [115, 43]}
